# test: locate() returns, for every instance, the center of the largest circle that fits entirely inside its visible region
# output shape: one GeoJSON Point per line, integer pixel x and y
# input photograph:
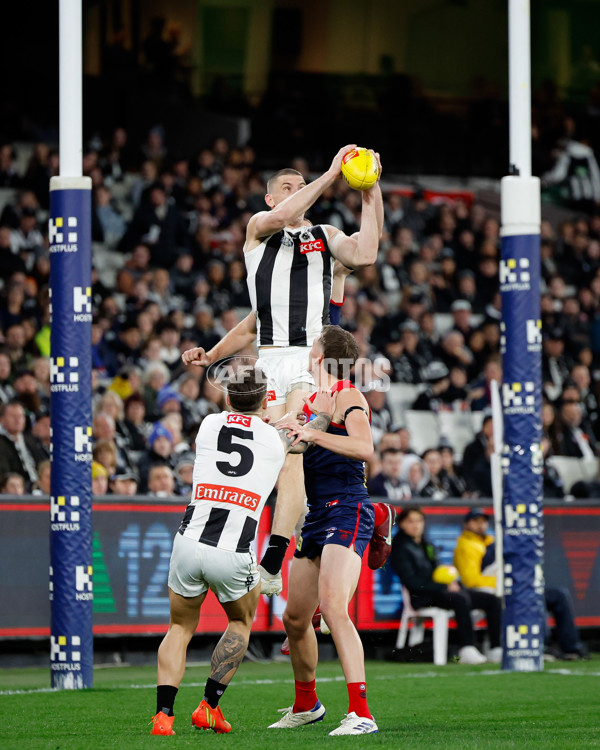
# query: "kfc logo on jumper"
{"type": "Point", "coordinates": [239, 419]}
{"type": "Point", "coordinates": [271, 396]}
{"type": "Point", "coordinates": [219, 493]}
{"type": "Point", "coordinates": [311, 247]}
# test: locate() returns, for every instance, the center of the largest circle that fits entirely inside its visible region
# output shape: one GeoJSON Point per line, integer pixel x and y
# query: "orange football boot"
{"type": "Point", "coordinates": [205, 717]}
{"type": "Point", "coordinates": [163, 724]}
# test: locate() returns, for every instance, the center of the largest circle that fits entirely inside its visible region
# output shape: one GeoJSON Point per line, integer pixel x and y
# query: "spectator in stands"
{"type": "Point", "coordinates": [14, 342]}
{"type": "Point", "coordinates": [416, 474]}
{"type": "Point", "coordinates": [480, 391]}
{"type": "Point", "coordinates": [476, 460]}
{"type": "Point", "coordinates": [9, 177]}
{"type": "Point", "coordinates": [7, 392]}
{"type": "Point", "coordinates": [42, 486]}
{"type": "Point", "coordinates": [389, 483]}
{"type": "Point", "coordinates": [135, 268]}
{"type": "Point", "coordinates": [157, 224]}
{"type": "Point", "coordinates": [189, 391]}
{"type": "Point", "coordinates": [184, 474]}
{"type": "Point", "coordinates": [461, 310]}
{"type": "Point", "coordinates": [160, 451]}
{"type": "Point", "coordinates": [589, 396]}
{"type": "Point", "coordinates": [126, 346]}
{"type": "Point", "coordinates": [99, 479]}
{"type": "Point", "coordinates": [109, 219]}
{"type": "Point", "coordinates": [105, 453]}
{"type": "Point", "coordinates": [12, 484]}
{"type": "Point", "coordinates": [10, 262]}
{"type": "Point", "coordinates": [40, 435]}
{"type": "Point", "coordinates": [436, 488]}
{"type": "Point", "coordinates": [156, 376]}
{"type": "Point", "coordinates": [124, 482]}
{"type": "Point", "coordinates": [161, 481]}
{"type": "Point", "coordinates": [556, 366]}
{"type": "Point", "coordinates": [572, 440]}
{"type": "Point", "coordinates": [410, 363]}
{"type": "Point", "coordinates": [453, 482]}
{"type": "Point", "coordinates": [438, 382]}
{"type": "Point", "coordinates": [381, 414]}
{"type": "Point", "coordinates": [27, 239]}
{"type": "Point", "coordinates": [576, 173]}
{"type": "Point", "coordinates": [474, 558]}
{"type": "Point", "coordinates": [135, 427]}
{"type": "Point", "coordinates": [454, 351]}
{"type": "Point", "coordinates": [168, 400]}
{"type": "Point", "coordinates": [414, 559]}
{"type": "Point", "coordinates": [17, 450]}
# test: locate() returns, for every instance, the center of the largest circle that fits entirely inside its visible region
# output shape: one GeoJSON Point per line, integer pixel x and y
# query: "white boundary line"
{"type": "Point", "coordinates": [340, 678]}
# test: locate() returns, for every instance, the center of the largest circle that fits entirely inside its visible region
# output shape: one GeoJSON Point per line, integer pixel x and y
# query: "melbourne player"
{"type": "Point", "coordinates": [335, 534]}
{"type": "Point", "coordinates": [289, 264]}
{"type": "Point", "coordinates": [238, 459]}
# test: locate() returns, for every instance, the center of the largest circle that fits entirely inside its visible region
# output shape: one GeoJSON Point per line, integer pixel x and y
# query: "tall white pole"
{"type": "Point", "coordinates": [70, 238]}
{"type": "Point", "coordinates": [70, 74]}
{"type": "Point", "coordinates": [522, 522]}
{"type": "Point", "coordinates": [519, 83]}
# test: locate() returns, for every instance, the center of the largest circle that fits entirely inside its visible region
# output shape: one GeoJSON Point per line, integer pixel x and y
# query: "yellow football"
{"type": "Point", "coordinates": [360, 168]}
{"type": "Point", "coordinates": [445, 574]}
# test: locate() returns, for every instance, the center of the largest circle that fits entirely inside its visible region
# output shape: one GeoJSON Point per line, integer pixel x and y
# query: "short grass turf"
{"type": "Point", "coordinates": [415, 705]}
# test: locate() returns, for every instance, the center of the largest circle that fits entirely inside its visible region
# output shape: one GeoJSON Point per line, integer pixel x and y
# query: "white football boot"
{"type": "Point", "coordinates": [289, 720]}
{"type": "Point", "coordinates": [353, 724]}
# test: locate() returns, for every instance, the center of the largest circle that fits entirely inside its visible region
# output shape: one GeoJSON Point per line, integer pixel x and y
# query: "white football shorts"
{"type": "Point", "coordinates": [285, 367]}
{"type": "Point", "coordinates": [196, 567]}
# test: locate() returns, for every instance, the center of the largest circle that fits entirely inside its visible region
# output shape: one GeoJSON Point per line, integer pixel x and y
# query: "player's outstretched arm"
{"type": "Point", "coordinates": [243, 334]}
{"type": "Point", "coordinates": [267, 222]}
{"type": "Point", "coordinates": [361, 248]}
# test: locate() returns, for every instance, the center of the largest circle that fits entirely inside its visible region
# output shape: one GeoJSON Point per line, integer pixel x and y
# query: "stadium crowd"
{"type": "Point", "coordinates": [169, 274]}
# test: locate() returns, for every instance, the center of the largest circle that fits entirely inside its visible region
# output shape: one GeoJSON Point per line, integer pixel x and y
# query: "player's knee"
{"type": "Point", "coordinates": [295, 623]}
{"type": "Point", "coordinates": [334, 609]}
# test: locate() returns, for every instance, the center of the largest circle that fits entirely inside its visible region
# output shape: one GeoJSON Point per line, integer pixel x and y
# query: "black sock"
{"type": "Point", "coordinates": [273, 557]}
{"type": "Point", "coordinates": [213, 692]}
{"type": "Point", "coordinates": [165, 699]}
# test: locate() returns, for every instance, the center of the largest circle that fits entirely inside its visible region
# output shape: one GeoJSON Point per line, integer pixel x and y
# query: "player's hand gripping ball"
{"type": "Point", "coordinates": [360, 168]}
{"type": "Point", "coordinates": [445, 574]}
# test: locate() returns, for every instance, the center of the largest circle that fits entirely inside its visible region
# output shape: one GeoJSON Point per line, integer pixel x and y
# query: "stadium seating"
{"type": "Point", "coordinates": [572, 469]}
{"type": "Point", "coordinates": [456, 428]}
{"type": "Point", "coordinates": [424, 429]}
{"type": "Point", "coordinates": [401, 397]}
{"type": "Point", "coordinates": [416, 618]}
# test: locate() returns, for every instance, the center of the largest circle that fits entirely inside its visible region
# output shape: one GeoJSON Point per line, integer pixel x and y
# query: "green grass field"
{"type": "Point", "coordinates": [415, 705]}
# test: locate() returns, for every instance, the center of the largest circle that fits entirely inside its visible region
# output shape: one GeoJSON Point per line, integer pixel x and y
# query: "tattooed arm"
{"type": "Point", "coordinates": [321, 422]}
{"type": "Point", "coordinates": [323, 405]}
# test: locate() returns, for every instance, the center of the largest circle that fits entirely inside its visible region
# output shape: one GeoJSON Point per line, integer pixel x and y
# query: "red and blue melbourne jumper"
{"type": "Point", "coordinates": [339, 509]}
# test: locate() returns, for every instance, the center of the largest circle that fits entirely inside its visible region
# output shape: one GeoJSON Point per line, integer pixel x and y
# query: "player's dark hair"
{"type": "Point", "coordinates": [405, 512]}
{"type": "Point", "coordinates": [282, 172]}
{"type": "Point", "coordinates": [340, 350]}
{"type": "Point", "coordinates": [247, 389]}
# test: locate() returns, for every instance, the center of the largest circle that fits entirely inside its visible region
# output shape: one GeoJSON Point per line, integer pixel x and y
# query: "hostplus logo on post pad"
{"type": "Point", "coordinates": [62, 234]}
{"type": "Point", "coordinates": [64, 374]}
